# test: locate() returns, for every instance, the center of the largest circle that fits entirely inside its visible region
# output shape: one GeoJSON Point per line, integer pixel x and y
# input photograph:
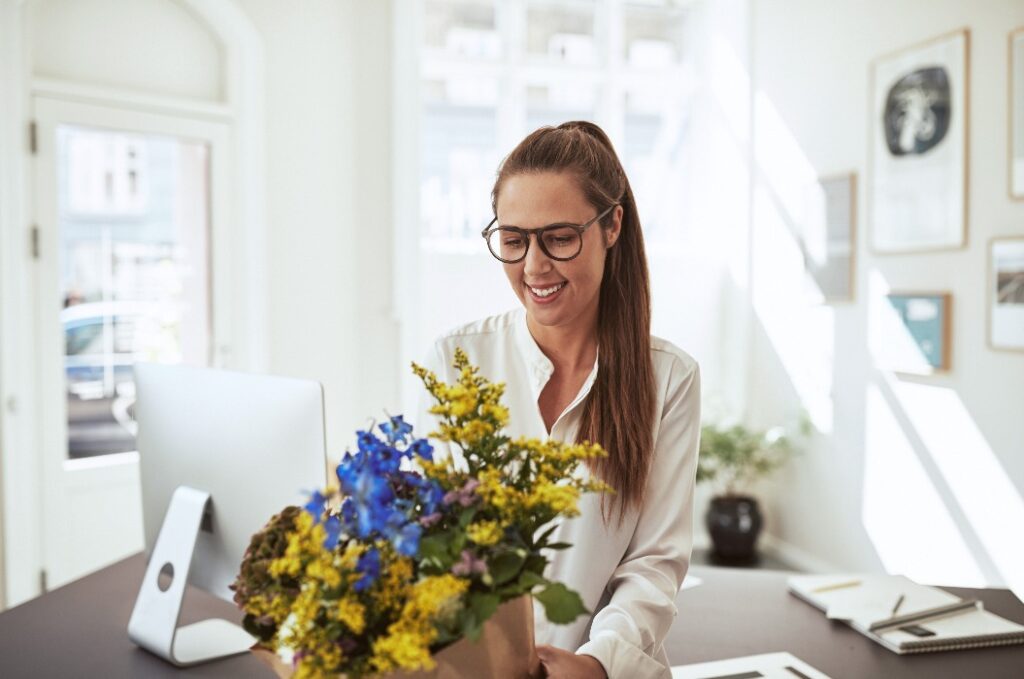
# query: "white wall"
{"type": "Point", "coordinates": [922, 476]}
{"type": "Point", "coordinates": [328, 129]}
{"type": "Point", "coordinates": [99, 42]}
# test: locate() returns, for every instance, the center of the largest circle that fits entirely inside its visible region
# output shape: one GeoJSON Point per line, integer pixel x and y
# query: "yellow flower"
{"type": "Point", "coordinates": [560, 498]}
{"type": "Point", "coordinates": [401, 649]}
{"type": "Point", "coordinates": [352, 613]}
{"type": "Point", "coordinates": [484, 533]}
{"type": "Point", "coordinates": [407, 643]}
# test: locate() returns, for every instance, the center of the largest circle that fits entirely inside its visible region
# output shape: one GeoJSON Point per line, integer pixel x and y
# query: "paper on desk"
{"type": "Point", "coordinates": [874, 599]}
{"type": "Point", "coordinates": [768, 665]}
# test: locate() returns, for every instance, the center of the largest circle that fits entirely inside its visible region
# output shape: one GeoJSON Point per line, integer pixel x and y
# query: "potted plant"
{"type": "Point", "coordinates": [732, 458]}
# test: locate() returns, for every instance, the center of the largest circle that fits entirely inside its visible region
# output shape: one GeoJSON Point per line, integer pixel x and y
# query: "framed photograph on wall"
{"type": "Point", "coordinates": [828, 237]}
{"type": "Point", "coordinates": [915, 334]}
{"type": "Point", "coordinates": [1006, 293]}
{"type": "Point", "coordinates": [1016, 114]}
{"type": "Point", "coordinates": [917, 192]}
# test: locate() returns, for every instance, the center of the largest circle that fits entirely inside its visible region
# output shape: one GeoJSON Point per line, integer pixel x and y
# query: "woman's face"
{"type": "Point", "coordinates": [533, 200]}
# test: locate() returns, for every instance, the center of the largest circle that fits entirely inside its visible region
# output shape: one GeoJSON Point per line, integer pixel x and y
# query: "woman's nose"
{"type": "Point", "coordinates": [536, 261]}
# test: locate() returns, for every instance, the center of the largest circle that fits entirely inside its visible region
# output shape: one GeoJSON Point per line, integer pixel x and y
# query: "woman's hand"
{"type": "Point", "coordinates": [559, 664]}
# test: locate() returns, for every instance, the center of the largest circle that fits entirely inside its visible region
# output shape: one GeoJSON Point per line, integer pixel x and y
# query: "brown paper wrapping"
{"type": "Point", "coordinates": [505, 650]}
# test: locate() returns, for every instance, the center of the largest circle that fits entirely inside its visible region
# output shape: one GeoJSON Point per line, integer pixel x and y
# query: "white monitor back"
{"type": "Point", "coordinates": [255, 443]}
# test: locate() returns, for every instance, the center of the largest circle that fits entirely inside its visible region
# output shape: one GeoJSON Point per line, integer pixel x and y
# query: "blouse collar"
{"type": "Point", "coordinates": [540, 366]}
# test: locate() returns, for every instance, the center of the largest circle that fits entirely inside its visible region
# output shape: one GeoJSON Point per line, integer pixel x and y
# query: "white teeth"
{"type": "Point", "coordinates": [547, 291]}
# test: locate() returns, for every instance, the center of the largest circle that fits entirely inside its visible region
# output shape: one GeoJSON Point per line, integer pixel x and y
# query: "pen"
{"type": "Point", "coordinates": [895, 608]}
{"type": "Point", "coordinates": [924, 615]}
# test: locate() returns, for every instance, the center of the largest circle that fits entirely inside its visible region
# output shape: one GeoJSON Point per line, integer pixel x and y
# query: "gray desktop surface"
{"type": "Point", "coordinates": [80, 630]}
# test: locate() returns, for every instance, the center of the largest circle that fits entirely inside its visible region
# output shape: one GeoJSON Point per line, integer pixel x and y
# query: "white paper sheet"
{"type": "Point", "coordinates": [766, 666]}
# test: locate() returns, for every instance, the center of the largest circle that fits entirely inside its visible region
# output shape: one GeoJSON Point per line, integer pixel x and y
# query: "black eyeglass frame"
{"type": "Point", "coordinates": [525, 233]}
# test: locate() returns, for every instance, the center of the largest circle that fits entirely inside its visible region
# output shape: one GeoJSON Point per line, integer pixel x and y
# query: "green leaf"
{"type": "Point", "coordinates": [480, 606]}
{"type": "Point", "coordinates": [466, 516]}
{"type": "Point", "coordinates": [545, 535]}
{"type": "Point", "coordinates": [528, 580]}
{"type": "Point", "coordinates": [558, 545]}
{"type": "Point", "coordinates": [506, 566]}
{"type": "Point", "coordinates": [434, 546]}
{"type": "Point", "coordinates": [561, 604]}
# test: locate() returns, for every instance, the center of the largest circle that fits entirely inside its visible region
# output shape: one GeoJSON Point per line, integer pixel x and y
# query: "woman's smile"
{"type": "Point", "coordinates": [546, 294]}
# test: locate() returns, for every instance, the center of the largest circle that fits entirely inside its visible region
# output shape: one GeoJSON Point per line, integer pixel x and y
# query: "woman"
{"type": "Point", "coordinates": [580, 364]}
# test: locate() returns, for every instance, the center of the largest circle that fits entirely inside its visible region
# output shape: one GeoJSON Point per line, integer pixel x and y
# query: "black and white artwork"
{"type": "Point", "coordinates": [917, 197]}
{"type": "Point", "coordinates": [1006, 293]}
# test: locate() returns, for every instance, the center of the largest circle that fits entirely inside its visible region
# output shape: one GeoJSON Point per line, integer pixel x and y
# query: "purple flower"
{"type": "Point", "coordinates": [430, 519]}
{"type": "Point", "coordinates": [464, 496]}
{"type": "Point", "coordinates": [469, 564]}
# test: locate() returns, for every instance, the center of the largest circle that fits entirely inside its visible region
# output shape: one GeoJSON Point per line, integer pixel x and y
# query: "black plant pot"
{"type": "Point", "coordinates": [734, 523]}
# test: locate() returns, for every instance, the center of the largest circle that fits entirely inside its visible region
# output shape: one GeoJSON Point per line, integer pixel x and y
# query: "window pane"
{"type": "Point", "coordinates": [462, 29]}
{"type": "Point", "coordinates": [654, 34]}
{"type": "Point", "coordinates": [459, 156]}
{"type": "Point", "coordinates": [133, 269]}
{"type": "Point", "coordinates": [561, 32]}
{"type": "Point", "coordinates": [657, 154]}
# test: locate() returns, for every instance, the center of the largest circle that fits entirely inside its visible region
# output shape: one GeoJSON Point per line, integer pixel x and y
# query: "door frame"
{"type": "Point", "coordinates": [244, 105]}
{"type": "Point", "coordinates": [80, 485]}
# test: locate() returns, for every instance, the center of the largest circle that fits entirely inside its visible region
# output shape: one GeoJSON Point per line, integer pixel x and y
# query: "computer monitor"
{"type": "Point", "coordinates": [253, 443]}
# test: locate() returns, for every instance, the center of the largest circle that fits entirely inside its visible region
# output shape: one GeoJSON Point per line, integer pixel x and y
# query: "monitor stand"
{"type": "Point", "coordinates": [154, 621]}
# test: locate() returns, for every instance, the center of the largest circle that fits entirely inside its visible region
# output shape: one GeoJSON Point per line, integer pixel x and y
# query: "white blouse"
{"type": "Point", "coordinates": [628, 575]}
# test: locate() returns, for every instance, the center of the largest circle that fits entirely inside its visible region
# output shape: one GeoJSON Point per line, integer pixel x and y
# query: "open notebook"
{"type": "Point", "coordinates": [927, 618]}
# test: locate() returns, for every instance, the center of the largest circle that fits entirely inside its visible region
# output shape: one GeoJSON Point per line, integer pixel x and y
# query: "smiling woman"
{"type": "Point", "coordinates": [580, 364]}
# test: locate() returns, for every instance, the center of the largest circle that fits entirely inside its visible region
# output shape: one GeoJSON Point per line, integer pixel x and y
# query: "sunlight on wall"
{"type": "Point", "coordinates": [801, 332]}
{"type": "Point", "coordinates": [906, 519]}
{"type": "Point", "coordinates": [979, 484]}
{"type": "Point", "coordinates": [892, 345]}
{"type": "Point", "coordinates": [730, 115]}
{"type": "Point", "coordinates": [933, 422]}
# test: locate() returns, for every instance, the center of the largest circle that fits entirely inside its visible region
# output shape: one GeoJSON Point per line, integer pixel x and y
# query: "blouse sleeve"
{"type": "Point", "coordinates": [627, 634]}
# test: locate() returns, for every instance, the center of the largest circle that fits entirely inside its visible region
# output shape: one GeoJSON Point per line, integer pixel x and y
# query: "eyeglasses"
{"type": "Point", "coordinates": [560, 242]}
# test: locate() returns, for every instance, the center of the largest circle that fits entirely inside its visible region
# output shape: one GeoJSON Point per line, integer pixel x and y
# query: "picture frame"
{"type": "Point", "coordinates": [1005, 297]}
{"type": "Point", "coordinates": [828, 237]}
{"type": "Point", "coordinates": [1015, 114]}
{"type": "Point", "coordinates": [917, 191]}
{"type": "Point", "coordinates": [916, 333]}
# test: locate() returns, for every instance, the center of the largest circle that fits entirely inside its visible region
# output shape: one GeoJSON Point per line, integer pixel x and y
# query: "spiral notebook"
{"type": "Point", "coordinates": [904, 616]}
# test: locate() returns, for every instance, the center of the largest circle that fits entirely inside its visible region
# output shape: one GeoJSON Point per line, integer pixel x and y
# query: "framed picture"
{"type": "Point", "coordinates": [915, 334]}
{"type": "Point", "coordinates": [1016, 117]}
{"type": "Point", "coordinates": [1006, 293]}
{"type": "Point", "coordinates": [828, 237]}
{"type": "Point", "coordinates": [917, 189]}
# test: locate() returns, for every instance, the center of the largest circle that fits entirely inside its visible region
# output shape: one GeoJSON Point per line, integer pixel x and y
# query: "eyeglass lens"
{"type": "Point", "coordinates": [559, 243]}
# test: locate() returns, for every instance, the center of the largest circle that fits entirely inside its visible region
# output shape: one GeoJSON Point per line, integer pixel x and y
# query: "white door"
{"type": "Point", "coordinates": [125, 208]}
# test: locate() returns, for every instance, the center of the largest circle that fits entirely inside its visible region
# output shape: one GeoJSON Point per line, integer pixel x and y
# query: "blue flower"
{"type": "Point", "coordinates": [423, 448]}
{"type": "Point", "coordinates": [317, 505]}
{"type": "Point", "coordinates": [369, 565]}
{"type": "Point", "coordinates": [396, 429]}
{"type": "Point", "coordinates": [333, 527]}
{"type": "Point", "coordinates": [431, 496]}
{"type": "Point", "coordinates": [407, 539]}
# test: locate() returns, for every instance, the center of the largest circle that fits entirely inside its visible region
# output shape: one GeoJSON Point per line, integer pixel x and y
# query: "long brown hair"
{"type": "Point", "coordinates": [619, 411]}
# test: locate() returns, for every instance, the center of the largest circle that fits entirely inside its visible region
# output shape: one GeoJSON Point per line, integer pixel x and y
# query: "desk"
{"type": "Point", "coordinates": [739, 612]}
{"type": "Point", "coordinates": [80, 631]}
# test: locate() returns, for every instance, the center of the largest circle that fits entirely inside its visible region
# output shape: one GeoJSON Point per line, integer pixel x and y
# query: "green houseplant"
{"type": "Point", "coordinates": [732, 458]}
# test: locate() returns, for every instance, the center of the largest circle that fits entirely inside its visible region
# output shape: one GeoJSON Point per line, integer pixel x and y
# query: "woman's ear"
{"type": "Point", "coordinates": [613, 231]}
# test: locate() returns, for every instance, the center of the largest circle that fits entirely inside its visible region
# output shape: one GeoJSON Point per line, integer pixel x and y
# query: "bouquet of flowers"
{"type": "Point", "coordinates": [412, 559]}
